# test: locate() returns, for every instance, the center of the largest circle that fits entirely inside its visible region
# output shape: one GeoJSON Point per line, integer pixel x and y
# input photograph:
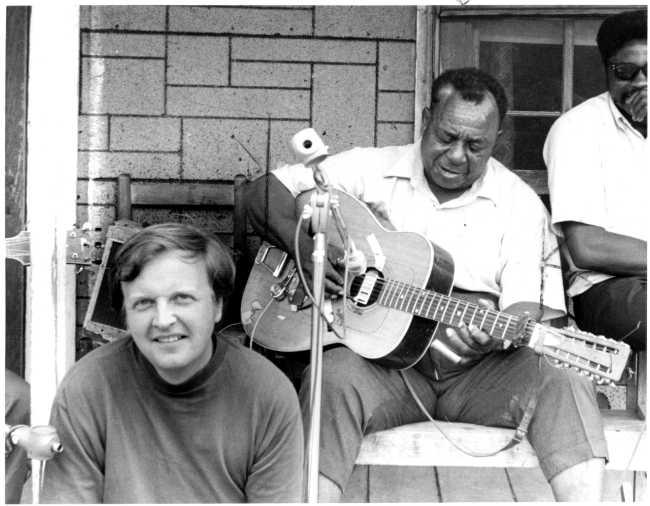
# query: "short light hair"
{"type": "Point", "coordinates": [153, 241]}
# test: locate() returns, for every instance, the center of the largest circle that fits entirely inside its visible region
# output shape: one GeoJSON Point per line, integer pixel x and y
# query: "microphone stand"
{"type": "Point", "coordinates": [310, 148]}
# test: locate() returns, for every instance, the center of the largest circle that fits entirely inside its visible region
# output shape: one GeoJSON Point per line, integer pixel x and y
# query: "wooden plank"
{"type": "Point", "coordinates": [51, 193]}
{"type": "Point", "coordinates": [451, 12]}
{"type": "Point", "coordinates": [124, 208]}
{"type": "Point", "coordinates": [402, 484]}
{"type": "Point", "coordinates": [356, 490]}
{"type": "Point", "coordinates": [423, 444]}
{"type": "Point", "coordinates": [529, 484]}
{"type": "Point", "coordinates": [181, 194]}
{"type": "Point", "coordinates": [16, 51]}
{"type": "Point", "coordinates": [424, 47]}
{"type": "Point", "coordinates": [642, 383]}
{"type": "Point", "coordinates": [459, 484]}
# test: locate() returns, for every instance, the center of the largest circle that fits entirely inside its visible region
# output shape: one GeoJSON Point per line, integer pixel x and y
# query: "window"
{"type": "Point", "coordinates": [546, 59]}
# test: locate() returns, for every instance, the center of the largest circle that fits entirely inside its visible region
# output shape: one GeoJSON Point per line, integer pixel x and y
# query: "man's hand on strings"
{"type": "Point", "coordinates": [469, 343]}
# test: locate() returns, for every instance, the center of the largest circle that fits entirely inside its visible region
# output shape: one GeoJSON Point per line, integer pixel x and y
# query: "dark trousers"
{"type": "Point", "coordinates": [615, 308]}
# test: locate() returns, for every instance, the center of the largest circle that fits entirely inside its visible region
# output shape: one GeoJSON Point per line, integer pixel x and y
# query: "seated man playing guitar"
{"type": "Point", "coordinates": [447, 188]}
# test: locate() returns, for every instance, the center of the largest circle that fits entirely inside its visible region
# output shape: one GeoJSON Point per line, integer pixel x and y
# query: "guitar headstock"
{"type": "Point", "coordinates": [601, 358]}
{"type": "Point", "coordinates": [83, 247]}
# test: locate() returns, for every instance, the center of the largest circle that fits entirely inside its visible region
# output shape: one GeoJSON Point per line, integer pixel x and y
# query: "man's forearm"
{"type": "Point", "coordinates": [271, 210]}
{"type": "Point", "coordinates": [596, 249]}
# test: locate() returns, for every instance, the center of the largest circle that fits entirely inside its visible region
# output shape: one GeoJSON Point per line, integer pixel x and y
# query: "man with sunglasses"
{"type": "Point", "coordinates": [596, 155]}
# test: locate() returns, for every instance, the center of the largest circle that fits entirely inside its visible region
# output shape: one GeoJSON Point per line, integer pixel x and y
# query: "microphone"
{"type": "Point", "coordinates": [311, 151]}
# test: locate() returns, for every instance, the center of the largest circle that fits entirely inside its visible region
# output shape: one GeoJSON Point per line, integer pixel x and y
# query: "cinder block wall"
{"type": "Point", "coordinates": [190, 94]}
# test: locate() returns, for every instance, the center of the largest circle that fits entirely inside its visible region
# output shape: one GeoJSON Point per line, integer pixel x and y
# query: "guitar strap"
{"type": "Point", "coordinates": [518, 436]}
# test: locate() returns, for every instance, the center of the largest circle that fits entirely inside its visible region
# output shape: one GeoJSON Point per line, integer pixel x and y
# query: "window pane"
{"type": "Point", "coordinates": [531, 73]}
{"type": "Point", "coordinates": [588, 74]}
{"type": "Point", "coordinates": [520, 144]}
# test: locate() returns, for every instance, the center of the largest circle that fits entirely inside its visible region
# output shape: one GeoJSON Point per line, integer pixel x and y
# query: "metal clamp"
{"type": "Point", "coordinates": [263, 255]}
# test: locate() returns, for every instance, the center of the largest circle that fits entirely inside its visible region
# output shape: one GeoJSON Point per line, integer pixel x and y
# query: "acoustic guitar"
{"type": "Point", "coordinates": [392, 309]}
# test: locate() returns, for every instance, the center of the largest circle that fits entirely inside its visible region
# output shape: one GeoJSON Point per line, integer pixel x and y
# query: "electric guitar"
{"type": "Point", "coordinates": [393, 306]}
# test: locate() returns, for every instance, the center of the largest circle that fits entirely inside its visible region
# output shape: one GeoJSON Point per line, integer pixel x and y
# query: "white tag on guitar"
{"type": "Point", "coordinates": [380, 259]}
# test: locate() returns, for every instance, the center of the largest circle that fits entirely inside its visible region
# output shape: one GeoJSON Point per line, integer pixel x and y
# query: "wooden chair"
{"type": "Point", "coordinates": [194, 195]}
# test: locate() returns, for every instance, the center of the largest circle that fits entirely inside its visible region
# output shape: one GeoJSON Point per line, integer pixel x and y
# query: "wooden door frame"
{"type": "Point", "coordinates": [16, 58]}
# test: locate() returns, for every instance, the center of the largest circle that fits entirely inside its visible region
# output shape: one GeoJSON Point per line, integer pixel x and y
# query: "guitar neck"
{"type": "Point", "coordinates": [450, 310]}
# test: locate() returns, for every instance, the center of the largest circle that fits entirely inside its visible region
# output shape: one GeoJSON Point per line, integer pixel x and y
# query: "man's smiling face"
{"type": "Point", "coordinates": [170, 312]}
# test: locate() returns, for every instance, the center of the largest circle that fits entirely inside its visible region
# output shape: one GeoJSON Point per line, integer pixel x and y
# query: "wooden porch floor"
{"type": "Point", "coordinates": [465, 484]}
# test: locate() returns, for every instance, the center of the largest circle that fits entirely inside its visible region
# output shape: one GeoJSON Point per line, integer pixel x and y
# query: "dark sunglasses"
{"type": "Point", "coordinates": [627, 71]}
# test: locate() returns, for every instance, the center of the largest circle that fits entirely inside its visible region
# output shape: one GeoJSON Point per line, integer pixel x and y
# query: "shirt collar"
{"type": "Point", "coordinates": [410, 167]}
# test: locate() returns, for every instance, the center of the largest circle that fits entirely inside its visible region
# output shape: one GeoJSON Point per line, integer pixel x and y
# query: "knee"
{"type": "Point", "coordinates": [340, 367]}
{"type": "Point", "coordinates": [559, 382]}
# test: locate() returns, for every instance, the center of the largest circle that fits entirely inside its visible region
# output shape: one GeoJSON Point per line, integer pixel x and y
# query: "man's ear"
{"type": "Point", "coordinates": [426, 118]}
{"type": "Point", "coordinates": [218, 311]}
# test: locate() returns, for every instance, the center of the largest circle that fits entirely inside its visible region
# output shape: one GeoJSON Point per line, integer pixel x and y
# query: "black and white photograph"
{"type": "Point", "coordinates": [358, 252]}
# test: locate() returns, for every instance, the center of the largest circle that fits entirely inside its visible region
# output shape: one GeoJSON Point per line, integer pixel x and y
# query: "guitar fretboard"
{"type": "Point", "coordinates": [448, 310]}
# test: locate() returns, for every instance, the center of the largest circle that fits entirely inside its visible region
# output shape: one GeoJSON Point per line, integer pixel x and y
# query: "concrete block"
{"type": "Point", "coordinates": [122, 86]}
{"type": "Point", "coordinates": [210, 220]}
{"type": "Point", "coordinates": [247, 20]}
{"type": "Point", "coordinates": [95, 164]}
{"type": "Point", "coordinates": [120, 44]}
{"type": "Point", "coordinates": [344, 105]}
{"type": "Point", "coordinates": [281, 134]}
{"type": "Point", "coordinates": [220, 149]}
{"type": "Point", "coordinates": [145, 134]}
{"type": "Point", "coordinates": [93, 132]}
{"type": "Point", "coordinates": [238, 102]}
{"type": "Point", "coordinates": [394, 134]}
{"type": "Point", "coordinates": [275, 75]}
{"type": "Point", "coordinates": [303, 50]}
{"type": "Point", "coordinates": [122, 17]}
{"type": "Point", "coordinates": [197, 60]}
{"type": "Point", "coordinates": [99, 216]}
{"type": "Point", "coordinates": [395, 106]}
{"type": "Point", "coordinates": [397, 66]}
{"type": "Point", "coordinates": [96, 192]}
{"type": "Point", "coordinates": [381, 22]}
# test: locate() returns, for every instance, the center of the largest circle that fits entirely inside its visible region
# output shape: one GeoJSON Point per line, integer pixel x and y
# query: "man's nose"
{"type": "Point", "coordinates": [164, 315]}
{"type": "Point", "coordinates": [456, 152]}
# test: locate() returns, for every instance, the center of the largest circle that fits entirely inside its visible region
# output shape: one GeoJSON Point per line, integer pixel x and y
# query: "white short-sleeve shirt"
{"type": "Point", "coordinates": [597, 172]}
{"type": "Point", "coordinates": [498, 232]}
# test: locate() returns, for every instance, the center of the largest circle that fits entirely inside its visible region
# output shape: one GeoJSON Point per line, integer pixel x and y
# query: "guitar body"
{"type": "Point", "coordinates": [393, 338]}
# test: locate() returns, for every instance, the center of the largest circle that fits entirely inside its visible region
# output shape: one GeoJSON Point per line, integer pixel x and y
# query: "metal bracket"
{"type": "Point", "coordinates": [263, 255]}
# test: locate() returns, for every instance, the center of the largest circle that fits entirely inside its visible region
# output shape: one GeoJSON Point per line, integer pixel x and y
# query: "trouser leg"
{"type": "Point", "coordinates": [359, 397]}
{"type": "Point", "coordinates": [566, 427]}
{"type": "Point", "coordinates": [615, 308]}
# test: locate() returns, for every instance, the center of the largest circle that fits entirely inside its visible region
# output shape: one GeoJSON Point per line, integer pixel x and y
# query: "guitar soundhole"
{"type": "Point", "coordinates": [366, 288]}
